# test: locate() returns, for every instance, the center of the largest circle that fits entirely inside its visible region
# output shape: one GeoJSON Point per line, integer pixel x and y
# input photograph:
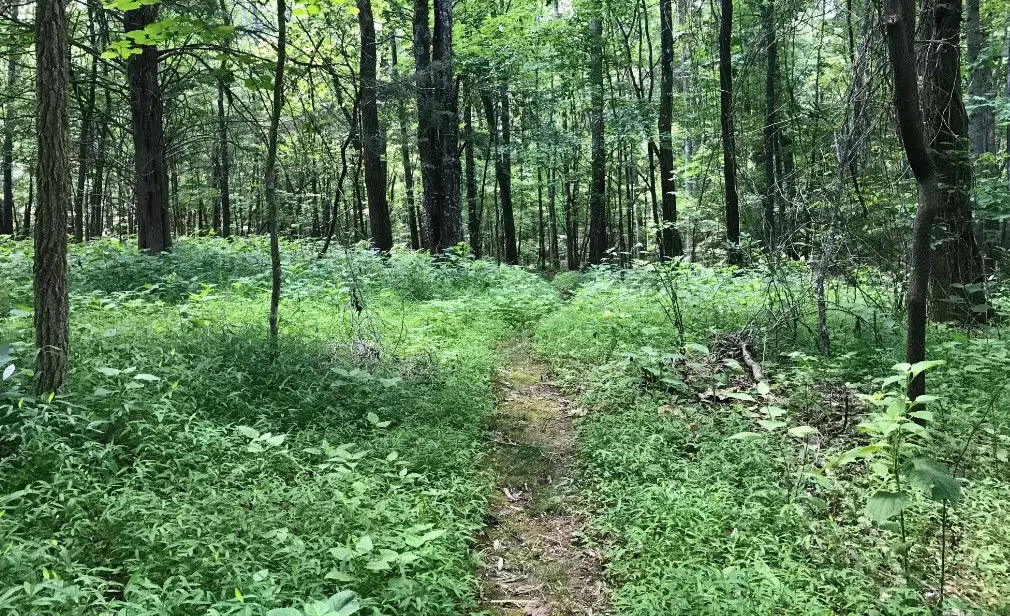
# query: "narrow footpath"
{"type": "Point", "coordinates": [536, 559]}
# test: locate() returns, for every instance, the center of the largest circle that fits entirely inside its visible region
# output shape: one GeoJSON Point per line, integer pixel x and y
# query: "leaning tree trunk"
{"type": "Point", "coordinates": [672, 245]}
{"type": "Point", "coordinates": [956, 292]}
{"type": "Point", "coordinates": [372, 140]}
{"type": "Point", "coordinates": [899, 23]}
{"type": "Point", "coordinates": [728, 138]}
{"type": "Point", "coordinates": [52, 304]}
{"type": "Point", "coordinates": [598, 180]}
{"type": "Point", "coordinates": [147, 119]}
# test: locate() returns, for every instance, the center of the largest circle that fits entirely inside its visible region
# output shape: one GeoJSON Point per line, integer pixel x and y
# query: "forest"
{"type": "Point", "coordinates": [504, 307]}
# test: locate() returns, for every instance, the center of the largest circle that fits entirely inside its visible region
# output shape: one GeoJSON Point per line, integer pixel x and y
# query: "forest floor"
{"type": "Point", "coordinates": [537, 560]}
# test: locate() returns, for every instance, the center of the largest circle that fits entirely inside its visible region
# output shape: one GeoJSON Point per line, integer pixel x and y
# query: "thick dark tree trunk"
{"type": "Point", "coordinates": [223, 162]}
{"type": "Point", "coordinates": [957, 264]}
{"type": "Point", "coordinates": [728, 138]}
{"type": "Point", "coordinates": [503, 168]}
{"type": "Point", "coordinates": [7, 207]}
{"type": "Point", "coordinates": [372, 139]}
{"type": "Point", "coordinates": [770, 188]}
{"type": "Point", "coordinates": [552, 214]}
{"type": "Point", "coordinates": [672, 244]}
{"type": "Point", "coordinates": [597, 188]}
{"type": "Point", "coordinates": [270, 170]}
{"type": "Point", "coordinates": [438, 138]}
{"type": "Point", "coordinates": [899, 22]}
{"type": "Point", "coordinates": [473, 216]}
{"type": "Point", "coordinates": [147, 119]}
{"type": "Point", "coordinates": [52, 304]}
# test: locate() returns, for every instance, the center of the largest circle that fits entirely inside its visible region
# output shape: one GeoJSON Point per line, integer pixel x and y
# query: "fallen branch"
{"type": "Point", "coordinates": [755, 368]}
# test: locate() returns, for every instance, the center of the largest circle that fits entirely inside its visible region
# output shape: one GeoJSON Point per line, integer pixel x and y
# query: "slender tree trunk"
{"type": "Point", "coordinates": [728, 138]}
{"type": "Point", "coordinates": [270, 169]}
{"type": "Point", "coordinates": [7, 208]}
{"type": "Point", "coordinates": [597, 188]}
{"type": "Point", "coordinates": [770, 188]}
{"type": "Point", "coordinates": [26, 220]}
{"type": "Point", "coordinates": [672, 244]}
{"type": "Point", "coordinates": [980, 91]}
{"type": "Point", "coordinates": [84, 146]}
{"type": "Point", "coordinates": [52, 303]}
{"type": "Point", "coordinates": [957, 264]}
{"type": "Point", "coordinates": [147, 115]}
{"type": "Point", "coordinates": [473, 217]}
{"type": "Point", "coordinates": [373, 150]}
{"type": "Point", "coordinates": [408, 172]}
{"type": "Point", "coordinates": [552, 213]}
{"type": "Point", "coordinates": [899, 23]}
{"type": "Point", "coordinates": [504, 171]}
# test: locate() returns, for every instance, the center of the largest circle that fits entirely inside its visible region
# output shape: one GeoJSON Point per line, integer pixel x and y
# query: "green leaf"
{"type": "Point", "coordinates": [8, 372]}
{"type": "Point", "coordinates": [340, 576]}
{"type": "Point", "coordinates": [344, 603]}
{"type": "Point", "coordinates": [802, 431]}
{"type": "Point", "coordinates": [934, 476]}
{"type": "Point", "coordinates": [110, 371]}
{"type": "Point", "coordinates": [342, 553]}
{"type": "Point", "coordinates": [738, 395]}
{"type": "Point", "coordinates": [284, 611]}
{"type": "Point", "coordinates": [745, 436]}
{"type": "Point", "coordinates": [701, 349]}
{"type": "Point", "coordinates": [146, 377]}
{"type": "Point", "coordinates": [19, 313]}
{"type": "Point", "coordinates": [763, 388]}
{"type": "Point", "coordinates": [771, 424]}
{"type": "Point", "coordinates": [364, 545]}
{"type": "Point", "coordinates": [884, 505]}
{"type": "Point", "coordinates": [922, 366]}
{"type": "Point", "coordinates": [248, 432]}
{"type": "Point", "coordinates": [275, 440]}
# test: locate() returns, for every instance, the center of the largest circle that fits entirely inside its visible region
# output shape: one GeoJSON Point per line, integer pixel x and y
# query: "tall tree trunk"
{"type": "Point", "coordinates": [7, 208]}
{"type": "Point", "coordinates": [957, 264]}
{"type": "Point", "coordinates": [438, 138]}
{"type": "Point", "coordinates": [84, 146]}
{"type": "Point", "coordinates": [728, 138]}
{"type": "Point", "coordinates": [899, 23]}
{"type": "Point", "coordinates": [980, 90]}
{"type": "Point", "coordinates": [770, 188]}
{"type": "Point", "coordinates": [98, 180]}
{"type": "Point", "coordinates": [223, 162]}
{"type": "Point", "coordinates": [597, 187]}
{"type": "Point", "coordinates": [372, 140]}
{"type": "Point", "coordinates": [147, 118]}
{"type": "Point", "coordinates": [270, 169]}
{"type": "Point", "coordinates": [672, 244]}
{"type": "Point", "coordinates": [473, 216]}
{"type": "Point", "coordinates": [552, 213]}
{"type": "Point", "coordinates": [504, 171]}
{"type": "Point", "coordinates": [408, 172]}
{"type": "Point", "coordinates": [52, 303]}
{"type": "Point", "coordinates": [26, 220]}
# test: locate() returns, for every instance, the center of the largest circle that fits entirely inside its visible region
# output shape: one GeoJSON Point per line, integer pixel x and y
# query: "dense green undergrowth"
{"type": "Point", "coordinates": [707, 506]}
{"type": "Point", "coordinates": [190, 469]}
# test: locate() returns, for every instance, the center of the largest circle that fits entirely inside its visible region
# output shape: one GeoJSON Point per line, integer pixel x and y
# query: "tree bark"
{"type": "Point", "coordinates": [957, 264]}
{"type": "Point", "coordinates": [672, 244]}
{"type": "Point", "coordinates": [728, 138]}
{"type": "Point", "coordinates": [7, 208]}
{"type": "Point", "coordinates": [408, 172]}
{"type": "Point", "coordinates": [473, 216]}
{"type": "Point", "coordinates": [597, 188]}
{"type": "Point", "coordinates": [438, 138]}
{"type": "Point", "coordinates": [770, 195]}
{"type": "Point", "coordinates": [980, 89]}
{"type": "Point", "coordinates": [52, 303]}
{"type": "Point", "coordinates": [147, 119]}
{"type": "Point", "coordinates": [372, 140]}
{"type": "Point", "coordinates": [270, 170]}
{"type": "Point", "coordinates": [899, 24]}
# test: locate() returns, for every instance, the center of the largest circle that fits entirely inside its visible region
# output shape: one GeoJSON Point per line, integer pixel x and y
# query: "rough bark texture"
{"type": "Point", "coordinates": [372, 139]}
{"type": "Point", "coordinates": [728, 138]}
{"type": "Point", "coordinates": [270, 169]}
{"type": "Point", "coordinates": [437, 128]}
{"type": "Point", "coordinates": [502, 143]}
{"type": "Point", "coordinates": [408, 171]}
{"type": "Point", "coordinates": [899, 23]}
{"type": "Point", "coordinates": [672, 245]}
{"type": "Point", "coordinates": [957, 263]}
{"type": "Point", "coordinates": [52, 304]}
{"type": "Point", "coordinates": [598, 180]}
{"type": "Point", "coordinates": [147, 119]}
